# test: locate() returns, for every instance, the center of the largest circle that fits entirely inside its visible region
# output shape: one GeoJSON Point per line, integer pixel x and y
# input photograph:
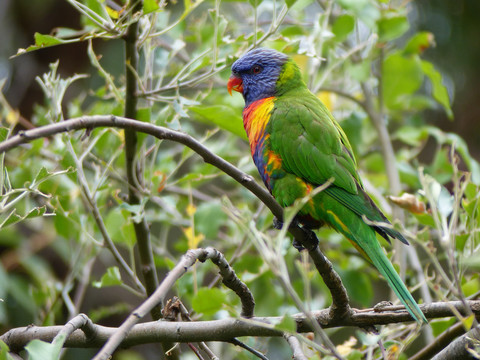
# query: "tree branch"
{"type": "Point", "coordinates": [231, 280]}
{"type": "Point", "coordinates": [440, 342]}
{"type": "Point", "coordinates": [134, 173]}
{"type": "Point", "coordinates": [301, 235]}
{"type": "Point", "coordinates": [462, 347]}
{"type": "Point", "coordinates": [226, 329]}
{"type": "Point", "coordinates": [158, 296]}
{"type": "Point", "coordinates": [297, 352]}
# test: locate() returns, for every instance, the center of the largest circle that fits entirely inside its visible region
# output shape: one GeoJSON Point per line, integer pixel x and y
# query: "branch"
{"type": "Point", "coordinates": [158, 296]}
{"type": "Point", "coordinates": [226, 329]}
{"type": "Point", "coordinates": [462, 348]}
{"type": "Point", "coordinates": [81, 321]}
{"type": "Point", "coordinates": [301, 235]}
{"type": "Point", "coordinates": [231, 280]}
{"type": "Point", "coordinates": [296, 347]}
{"type": "Point", "coordinates": [440, 342]}
{"type": "Point", "coordinates": [142, 232]}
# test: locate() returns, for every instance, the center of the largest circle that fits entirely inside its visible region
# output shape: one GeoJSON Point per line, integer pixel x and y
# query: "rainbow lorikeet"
{"type": "Point", "coordinates": [297, 146]}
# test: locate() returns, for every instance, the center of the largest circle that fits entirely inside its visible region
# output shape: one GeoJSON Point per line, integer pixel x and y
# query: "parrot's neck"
{"type": "Point", "coordinates": [255, 119]}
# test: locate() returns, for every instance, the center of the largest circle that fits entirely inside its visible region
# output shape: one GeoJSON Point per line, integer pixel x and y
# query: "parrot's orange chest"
{"type": "Point", "coordinates": [255, 120]}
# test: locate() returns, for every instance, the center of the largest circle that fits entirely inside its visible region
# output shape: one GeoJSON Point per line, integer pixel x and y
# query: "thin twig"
{"type": "Point", "coordinates": [108, 242]}
{"type": "Point", "coordinates": [257, 353]}
{"type": "Point", "coordinates": [297, 352]}
{"type": "Point", "coordinates": [202, 345]}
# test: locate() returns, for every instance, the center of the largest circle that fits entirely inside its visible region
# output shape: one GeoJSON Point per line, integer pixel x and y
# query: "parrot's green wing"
{"type": "Point", "coordinates": [313, 146]}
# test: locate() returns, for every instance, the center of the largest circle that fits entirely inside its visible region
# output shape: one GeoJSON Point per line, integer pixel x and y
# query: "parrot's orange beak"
{"type": "Point", "coordinates": [234, 83]}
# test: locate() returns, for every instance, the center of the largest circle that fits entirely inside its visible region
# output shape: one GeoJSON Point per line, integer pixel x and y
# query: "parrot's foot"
{"type": "Point", "coordinates": [298, 245]}
{"type": "Point", "coordinates": [311, 238]}
{"type": "Point", "coordinates": [278, 224]}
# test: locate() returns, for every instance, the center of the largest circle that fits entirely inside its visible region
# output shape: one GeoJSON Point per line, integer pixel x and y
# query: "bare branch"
{"type": "Point", "coordinates": [157, 297]}
{"type": "Point", "coordinates": [462, 348]}
{"type": "Point", "coordinates": [440, 342]}
{"type": "Point", "coordinates": [81, 321]}
{"type": "Point", "coordinates": [296, 347]}
{"type": "Point", "coordinates": [231, 280]}
{"type": "Point", "coordinates": [134, 173]}
{"type": "Point", "coordinates": [226, 329]}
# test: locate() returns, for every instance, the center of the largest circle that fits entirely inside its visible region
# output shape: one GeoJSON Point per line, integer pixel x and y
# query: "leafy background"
{"type": "Point", "coordinates": [415, 61]}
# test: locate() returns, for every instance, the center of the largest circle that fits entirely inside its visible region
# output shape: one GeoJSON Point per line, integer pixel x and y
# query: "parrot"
{"type": "Point", "coordinates": [297, 146]}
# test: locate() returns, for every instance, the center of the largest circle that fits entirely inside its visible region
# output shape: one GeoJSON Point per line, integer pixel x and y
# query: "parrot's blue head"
{"type": "Point", "coordinates": [256, 73]}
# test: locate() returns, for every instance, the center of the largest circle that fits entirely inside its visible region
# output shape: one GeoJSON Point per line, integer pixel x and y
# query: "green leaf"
{"type": "Point", "coordinates": [425, 219]}
{"type": "Point", "coordinates": [471, 287]}
{"type": "Point", "coordinates": [412, 135]}
{"type": "Point", "coordinates": [343, 26]}
{"type": "Point", "coordinates": [144, 114]}
{"type": "Point", "coordinates": [439, 91]}
{"type": "Point", "coordinates": [13, 217]}
{"type": "Point", "coordinates": [290, 3]}
{"type": "Point", "coordinates": [223, 116]}
{"type": "Point", "coordinates": [4, 133]}
{"type": "Point", "coordinates": [468, 322]}
{"type": "Point", "coordinates": [418, 43]}
{"type": "Point", "coordinates": [439, 326]}
{"type": "Point", "coordinates": [111, 278]}
{"type": "Point", "coordinates": [402, 76]}
{"type": "Point", "coordinates": [358, 286]}
{"type": "Point", "coordinates": [365, 10]}
{"type": "Point", "coordinates": [120, 227]}
{"type": "Point", "coordinates": [208, 301]}
{"type": "Point", "coordinates": [43, 41]}
{"type": "Point", "coordinates": [150, 6]}
{"type": "Point", "coordinates": [390, 28]}
{"type": "Point", "coordinates": [360, 71]}
{"type": "Point", "coordinates": [287, 324]}
{"type": "Point", "coordinates": [41, 350]}
{"type": "Point", "coordinates": [4, 355]}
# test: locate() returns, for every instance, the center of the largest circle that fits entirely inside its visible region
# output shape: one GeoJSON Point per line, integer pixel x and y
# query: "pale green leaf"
{"type": "Point", "coordinates": [343, 26]}
{"type": "Point", "coordinates": [111, 278]}
{"type": "Point", "coordinates": [13, 217]}
{"type": "Point", "coordinates": [150, 6]}
{"type": "Point", "coordinates": [208, 301]}
{"type": "Point", "coordinates": [419, 42]}
{"type": "Point", "coordinates": [402, 76]}
{"type": "Point", "coordinates": [287, 324]}
{"type": "Point", "coordinates": [4, 355]}
{"type": "Point", "coordinates": [223, 116]}
{"type": "Point", "coordinates": [439, 91]}
{"type": "Point", "coordinates": [390, 28]}
{"type": "Point", "coordinates": [41, 350]}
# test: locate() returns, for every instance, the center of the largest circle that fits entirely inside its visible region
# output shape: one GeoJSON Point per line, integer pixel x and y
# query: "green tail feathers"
{"type": "Point", "coordinates": [381, 262]}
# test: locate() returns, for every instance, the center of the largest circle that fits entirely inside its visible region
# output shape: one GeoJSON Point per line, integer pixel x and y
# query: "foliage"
{"type": "Point", "coordinates": [54, 255]}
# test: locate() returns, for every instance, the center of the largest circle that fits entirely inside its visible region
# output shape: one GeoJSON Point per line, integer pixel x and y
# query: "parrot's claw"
{"type": "Point", "coordinates": [312, 239]}
{"type": "Point", "coordinates": [278, 224]}
{"type": "Point", "coordinates": [298, 245]}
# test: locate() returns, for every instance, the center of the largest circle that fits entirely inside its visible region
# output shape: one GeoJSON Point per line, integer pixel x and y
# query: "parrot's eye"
{"type": "Point", "coordinates": [256, 69]}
